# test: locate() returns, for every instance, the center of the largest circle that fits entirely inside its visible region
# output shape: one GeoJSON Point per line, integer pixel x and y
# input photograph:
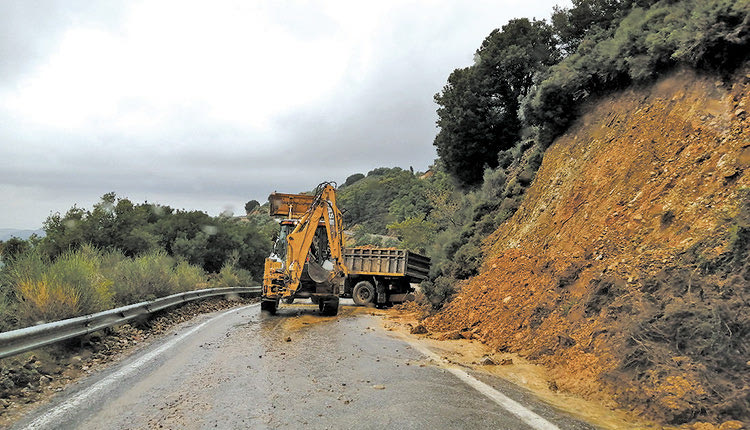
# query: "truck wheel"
{"type": "Point", "coordinates": [269, 306]}
{"type": "Point", "coordinates": [329, 307]}
{"type": "Point", "coordinates": [363, 293]}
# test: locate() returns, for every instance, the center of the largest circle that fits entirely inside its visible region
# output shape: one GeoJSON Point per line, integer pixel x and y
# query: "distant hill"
{"type": "Point", "coordinates": [7, 233]}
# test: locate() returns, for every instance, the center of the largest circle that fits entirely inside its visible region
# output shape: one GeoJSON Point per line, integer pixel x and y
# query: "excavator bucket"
{"type": "Point", "coordinates": [318, 273]}
{"type": "Point", "coordinates": [289, 205]}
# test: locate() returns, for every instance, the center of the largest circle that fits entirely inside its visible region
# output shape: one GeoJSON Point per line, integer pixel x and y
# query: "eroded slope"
{"type": "Point", "coordinates": [626, 267]}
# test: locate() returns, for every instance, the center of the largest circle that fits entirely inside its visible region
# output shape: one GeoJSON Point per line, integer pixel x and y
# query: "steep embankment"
{"type": "Point", "coordinates": [626, 268]}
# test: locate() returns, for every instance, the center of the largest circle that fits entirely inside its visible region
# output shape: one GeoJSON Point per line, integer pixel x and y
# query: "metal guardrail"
{"type": "Point", "coordinates": [17, 341]}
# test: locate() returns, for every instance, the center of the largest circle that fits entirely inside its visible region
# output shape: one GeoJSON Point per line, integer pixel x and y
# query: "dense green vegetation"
{"type": "Point", "coordinates": [382, 197]}
{"type": "Point", "coordinates": [528, 83]}
{"type": "Point", "coordinates": [134, 229]}
{"type": "Point", "coordinates": [637, 42]}
{"type": "Point", "coordinates": [530, 78]}
{"type": "Point", "coordinates": [119, 253]}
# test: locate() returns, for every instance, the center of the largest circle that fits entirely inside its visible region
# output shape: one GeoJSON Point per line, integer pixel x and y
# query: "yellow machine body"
{"type": "Point", "coordinates": [283, 273]}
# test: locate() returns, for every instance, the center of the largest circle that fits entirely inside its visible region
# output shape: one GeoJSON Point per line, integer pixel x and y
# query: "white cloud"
{"type": "Point", "coordinates": [209, 104]}
{"type": "Point", "coordinates": [225, 61]}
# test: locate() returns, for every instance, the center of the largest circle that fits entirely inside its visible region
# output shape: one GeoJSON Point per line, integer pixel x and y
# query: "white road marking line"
{"type": "Point", "coordinates": [47, 419]}
{"type": "Point", "coordinates": [515, 408]}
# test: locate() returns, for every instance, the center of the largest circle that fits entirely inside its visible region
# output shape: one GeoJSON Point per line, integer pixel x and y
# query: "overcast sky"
{"type": "Point", "coordinates": [206, 105]}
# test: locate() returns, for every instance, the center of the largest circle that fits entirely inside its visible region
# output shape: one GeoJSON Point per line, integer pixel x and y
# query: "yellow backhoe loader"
{"type": "Point", "coordinates": [307, 260]}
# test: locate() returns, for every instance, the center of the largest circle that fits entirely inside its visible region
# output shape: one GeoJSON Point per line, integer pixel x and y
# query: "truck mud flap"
{"type": "Point", "coordinates": [400, 298]}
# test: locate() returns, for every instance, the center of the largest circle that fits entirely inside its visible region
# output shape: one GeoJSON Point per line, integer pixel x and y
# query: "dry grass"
{"type": "Point", "coordinates": [46, 301]}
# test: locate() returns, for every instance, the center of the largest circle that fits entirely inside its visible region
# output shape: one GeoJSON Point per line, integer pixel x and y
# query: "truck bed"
{"type": "Point", "coordinates": [387, 262]}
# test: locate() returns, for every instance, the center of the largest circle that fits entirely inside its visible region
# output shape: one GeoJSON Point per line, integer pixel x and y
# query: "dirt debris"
{"type": "Point", "coordinates": [487, 361]}
{"type": "Point", "coordinates": [468, 353]}
{"type": "Point", "coordinates": [419, 329]}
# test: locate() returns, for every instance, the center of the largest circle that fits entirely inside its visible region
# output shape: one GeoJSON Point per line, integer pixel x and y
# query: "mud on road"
{"type": "Point", "coordinates": [243, 369]}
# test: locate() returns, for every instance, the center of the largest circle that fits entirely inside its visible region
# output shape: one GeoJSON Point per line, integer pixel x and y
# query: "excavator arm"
{"type": "Point", "coordinates": [300, 240]}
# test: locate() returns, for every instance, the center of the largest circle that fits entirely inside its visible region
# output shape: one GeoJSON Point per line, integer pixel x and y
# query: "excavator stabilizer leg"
{"type": "Point", "coordinates": [269, 305]}
{"type": "Point", "coordinates": [329, 306]}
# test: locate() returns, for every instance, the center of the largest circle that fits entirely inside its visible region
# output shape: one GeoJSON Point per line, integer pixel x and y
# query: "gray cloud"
{"type": "Point", "coordinates": [31, 30]}
{"type": "Point", "coordinates": [381, 116]}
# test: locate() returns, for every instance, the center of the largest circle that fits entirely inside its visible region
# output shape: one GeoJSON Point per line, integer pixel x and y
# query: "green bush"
{"type": "Point", "coordinates": [145, 277]}
{"type": "Point", "coordinates": [467, 261]}
{"type": "Point", "coordinates": [648, 41]}
{"type": "Point", "coordinates": [8, 318]}
{"type": "Point", "coordinates": [353, 178]}
{"type": "Point", "coordinates": [415, 234]}
{"type": "Point", "coordinates": [81, 270]}
{"type": "Point", "coordinates": [438, 291]}
{"type": "Point", "coordinates": [494, 183]}
{"type": "Point", "coordinates": [231, 276]}
{"type": "Point", "coordinates": [187, 277]}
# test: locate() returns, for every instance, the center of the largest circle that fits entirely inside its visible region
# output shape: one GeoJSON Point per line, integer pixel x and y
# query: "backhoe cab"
{"type": "Point", "coordinates": [307, 258]}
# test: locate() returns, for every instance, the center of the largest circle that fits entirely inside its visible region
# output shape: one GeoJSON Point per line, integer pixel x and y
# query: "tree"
{"type": "Point", "coordinates": [415, 234]}
{"type": "Point", "coordinates": [12, 248]}
{"type": "Point", "coordinates": [587, 17]}
{"type": "Point", "coordinates": [353, 178]}
{"type": "Point", "coordinates": [251, 206]}
{"type": "Point", "coordinates": [479, 107]}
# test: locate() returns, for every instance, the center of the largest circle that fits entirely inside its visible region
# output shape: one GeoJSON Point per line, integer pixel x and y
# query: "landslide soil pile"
{"type": "Point", "coordinates": [626, 269]}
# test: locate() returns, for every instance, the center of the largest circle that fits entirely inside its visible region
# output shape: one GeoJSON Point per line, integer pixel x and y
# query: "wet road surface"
{"type": "Point", "coordinates": [244, 369]}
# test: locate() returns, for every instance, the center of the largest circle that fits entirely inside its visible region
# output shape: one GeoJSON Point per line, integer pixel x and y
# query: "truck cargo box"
{"type": "Point", "coordinates": [387, 262]}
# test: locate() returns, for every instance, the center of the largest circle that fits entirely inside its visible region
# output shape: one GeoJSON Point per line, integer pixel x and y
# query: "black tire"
{"type": "Point", "coordinates": [329, 307]}
{"type": "Point", "coordinates": [363, 293]}
{"type": "Point", "coordinates": [315, 299]}
{"type": "Point", "coordinates": [269, 306]}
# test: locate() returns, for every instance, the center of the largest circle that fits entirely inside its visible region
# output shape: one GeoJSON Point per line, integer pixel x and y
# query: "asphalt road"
{"type": "Point", "coordinates": [243, 369]}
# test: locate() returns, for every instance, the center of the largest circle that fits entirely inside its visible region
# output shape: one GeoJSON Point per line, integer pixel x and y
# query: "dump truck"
{"type": "Point", "coordinates": [382, 276]}
{"type": "Point", "coordinates": [309, 261]}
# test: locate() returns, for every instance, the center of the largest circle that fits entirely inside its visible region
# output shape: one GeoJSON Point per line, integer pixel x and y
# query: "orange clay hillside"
{"type": "Point", "coordinates": [626, 268]}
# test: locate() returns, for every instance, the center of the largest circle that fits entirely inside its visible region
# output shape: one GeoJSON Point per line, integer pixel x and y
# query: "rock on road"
{"type": "Point", "coordinates": [243, 369]}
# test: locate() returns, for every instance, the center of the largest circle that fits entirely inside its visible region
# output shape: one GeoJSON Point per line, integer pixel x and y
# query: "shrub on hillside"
{"type": "Point", "coordinates": [187, 277]}
{"type": "Point", "coordinates": [71, 285]}
{"type": "Point", "coordinates": [231, 276]}
{"type": "Point", "coordinates": [439, 290]}
{"type": "Point", "coordinates": [707, 34]}
{"type": "Point", "coordinates": [145, 277]}
{"type": "Point", "coordinates": [8, 320]}
{"type": "Point", "coordinates": [415, 234]}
